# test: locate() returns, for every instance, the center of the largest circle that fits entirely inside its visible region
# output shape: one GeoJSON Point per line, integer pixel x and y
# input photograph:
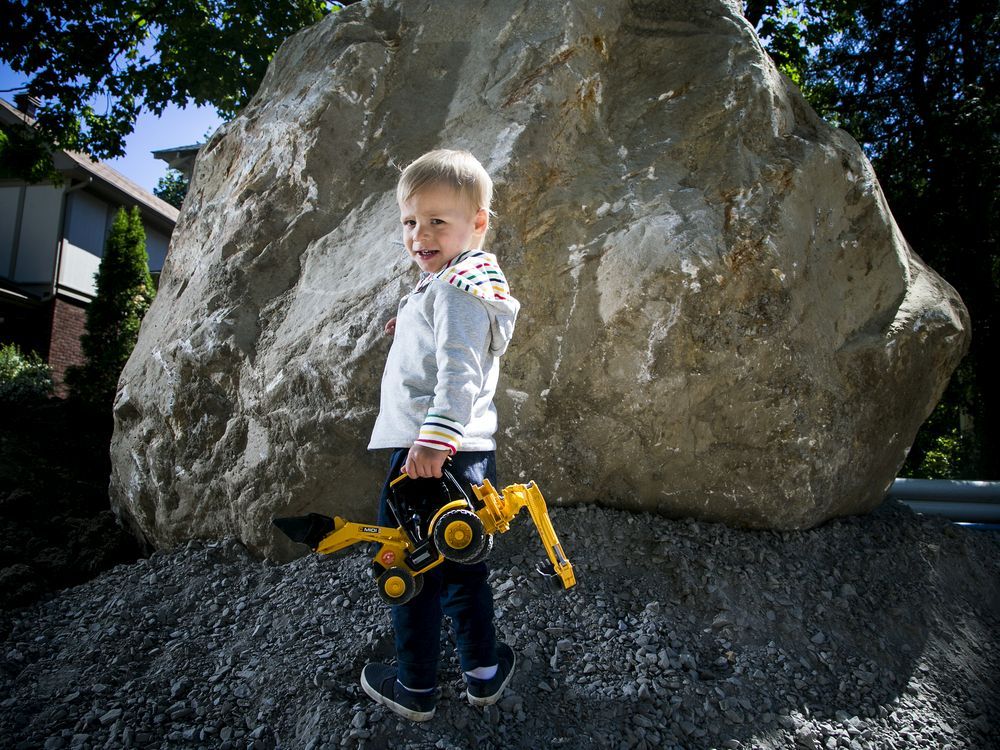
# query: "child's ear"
{"type": "Point", "coordinates": [482, 222]}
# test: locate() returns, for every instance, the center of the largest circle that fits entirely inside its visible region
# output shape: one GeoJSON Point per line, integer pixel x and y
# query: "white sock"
{"type": "Point", "coordinates": [416, 690]}
{"type": "Point", "coordinates": [483, 673]}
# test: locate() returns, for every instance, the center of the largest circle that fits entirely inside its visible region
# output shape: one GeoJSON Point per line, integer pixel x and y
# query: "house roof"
{"type": "Point", "coordinates": [180, 158]}
{"type": "Point", "coordinates": [110, 179]}
{"type": "Point", "coordinates": [104, 178]}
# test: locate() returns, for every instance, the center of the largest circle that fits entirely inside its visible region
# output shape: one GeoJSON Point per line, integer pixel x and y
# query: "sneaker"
{"type": "Point", "coordinates": [487, 692]}
{"type": "Point", "coordinates": [379, 681]}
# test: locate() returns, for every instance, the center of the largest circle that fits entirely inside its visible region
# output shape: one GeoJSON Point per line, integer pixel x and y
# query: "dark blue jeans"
{"type": "Point", "coordinates": [459, 591]}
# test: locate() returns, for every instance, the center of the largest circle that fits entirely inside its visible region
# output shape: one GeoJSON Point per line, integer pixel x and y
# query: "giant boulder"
{"type": "Point", "coordinates": [721, 318]}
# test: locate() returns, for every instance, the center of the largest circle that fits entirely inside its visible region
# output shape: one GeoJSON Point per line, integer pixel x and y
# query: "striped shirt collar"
{"type": "Point", "coordinates": [426, 276]}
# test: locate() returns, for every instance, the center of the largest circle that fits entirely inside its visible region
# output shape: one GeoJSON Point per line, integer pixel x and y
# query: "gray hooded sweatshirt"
{"type": "Point", "coordinates": [442, 370]}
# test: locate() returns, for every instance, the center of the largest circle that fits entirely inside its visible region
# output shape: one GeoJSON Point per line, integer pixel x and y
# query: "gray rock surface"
{"type": "Point", "coordinates": [679, 635]}
{"type": "Point", "coordinates": [721, 319]}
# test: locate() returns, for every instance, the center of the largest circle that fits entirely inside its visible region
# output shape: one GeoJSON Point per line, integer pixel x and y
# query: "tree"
{"type": "Point", "coordinates": [137, 55]}
{"type": "Point", "coordinates": [916, 83]}
{"type": "Point", "coordinates": [793, 32]}
{"type": "Point", "coordinates": [172, 188]}
{"type": "Point", "coordinates": [124, 294]}
{"type": "Point", "coordinates": [24, 157]}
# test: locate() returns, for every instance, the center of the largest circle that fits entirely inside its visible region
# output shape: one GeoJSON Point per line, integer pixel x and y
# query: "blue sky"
{"type": "Point", "coordinates": [175, 127]}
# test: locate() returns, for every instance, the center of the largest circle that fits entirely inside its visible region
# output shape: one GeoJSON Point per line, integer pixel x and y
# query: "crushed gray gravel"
{"type": "Point", "coordinates": [871, 632]}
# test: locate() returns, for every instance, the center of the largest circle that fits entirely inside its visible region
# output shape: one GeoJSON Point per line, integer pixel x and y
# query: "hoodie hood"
{"type": "Point", "coordinates": [477, 272]}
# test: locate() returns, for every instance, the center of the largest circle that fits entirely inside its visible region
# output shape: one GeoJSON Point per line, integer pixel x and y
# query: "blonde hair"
{"type": "Point", "coordinates": [459, 170]}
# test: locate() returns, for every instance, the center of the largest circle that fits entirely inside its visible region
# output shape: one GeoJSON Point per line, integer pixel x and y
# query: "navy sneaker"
{"type": "Point", "coordinates": [488, 692]}
{"type": "Point", "coordinates": [379, 681]}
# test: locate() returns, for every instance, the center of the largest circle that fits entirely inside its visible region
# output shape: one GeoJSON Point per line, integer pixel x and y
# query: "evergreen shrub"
{"type": "Point", "coordinates": [124, 293]}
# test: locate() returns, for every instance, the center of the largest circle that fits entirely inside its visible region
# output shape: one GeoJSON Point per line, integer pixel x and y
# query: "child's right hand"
{"type": "Point", "coordinates": [390, 327]}
{"type": "Point", "coordinates": [424, 462]}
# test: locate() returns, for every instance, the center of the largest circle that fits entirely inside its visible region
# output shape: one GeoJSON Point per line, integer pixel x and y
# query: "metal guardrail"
{"type": "Point", "coordinates": [965, 501]}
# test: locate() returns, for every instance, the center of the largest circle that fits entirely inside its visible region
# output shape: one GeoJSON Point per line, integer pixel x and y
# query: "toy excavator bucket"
{"type": "Point", "coordinates": [551, 577]}
{"type": "Point", "coordinates": [310, 529]}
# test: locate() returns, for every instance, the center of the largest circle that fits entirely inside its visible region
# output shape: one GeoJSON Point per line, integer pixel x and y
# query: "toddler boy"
{"type": "Point", "coordinates": [437, 402]}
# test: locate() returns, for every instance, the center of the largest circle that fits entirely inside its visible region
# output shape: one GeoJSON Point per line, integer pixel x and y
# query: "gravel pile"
{"type": "Point", "coordinates": [875, 632]}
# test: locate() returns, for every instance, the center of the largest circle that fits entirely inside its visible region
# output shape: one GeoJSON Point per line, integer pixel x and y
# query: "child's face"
{"type": "Point", "coordinates": [439, 225]}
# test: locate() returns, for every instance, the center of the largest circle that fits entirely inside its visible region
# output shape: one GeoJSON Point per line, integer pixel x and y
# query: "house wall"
{"type": "Point", "coordinates": [77, 269]}
{"type": "Point", "coordinates": [10, 200]}
{"type": "Point", "coordinates": [36, 223]}
{"type": "Point", "coordinates": [40, 233]}
{"type": "Point", "coordinates": [29, 237]}
{"type": "Point", "coordinates": [29, 233]}
{"type": "Point", "coordinates": [156, 248]}
{"type": "Point", "coordinates": [87, 222]}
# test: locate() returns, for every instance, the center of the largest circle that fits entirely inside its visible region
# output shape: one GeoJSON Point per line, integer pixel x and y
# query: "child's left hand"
{"type": "Point", "coordinates": [425, 462]}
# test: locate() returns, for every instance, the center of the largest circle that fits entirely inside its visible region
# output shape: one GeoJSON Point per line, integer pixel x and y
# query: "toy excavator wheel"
{"type": "Point", "coordinates": [484, 552]}
{"type": "Point", "coordinates": [459, 535]}
{"type": "Point", "coordinates": [396, 586]}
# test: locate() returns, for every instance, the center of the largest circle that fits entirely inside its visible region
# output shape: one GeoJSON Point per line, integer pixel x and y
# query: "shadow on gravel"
{"type": "Point", "coordinates": [56, 526]}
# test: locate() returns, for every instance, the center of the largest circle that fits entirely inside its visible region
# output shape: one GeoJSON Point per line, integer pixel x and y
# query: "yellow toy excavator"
{"type": "Point", "coordinates": [437, 522]}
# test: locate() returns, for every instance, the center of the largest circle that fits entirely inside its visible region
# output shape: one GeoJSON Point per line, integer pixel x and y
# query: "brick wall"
{"type": "Point", "coordinates": [68, 318]}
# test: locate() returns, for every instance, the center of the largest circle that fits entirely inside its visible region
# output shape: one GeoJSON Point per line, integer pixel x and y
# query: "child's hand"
{"type": "Point", "coordinates": [390, 327]}
{"type": "Point", "coordinates": [422, 461]}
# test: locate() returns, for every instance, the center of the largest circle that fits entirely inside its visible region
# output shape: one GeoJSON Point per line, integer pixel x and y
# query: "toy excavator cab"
{"type": "Point", "coordinates": [439, 520]}
{"type": "Point", "coordinates": [414, 501]}
{"type": "Point", "coordinates": [417, 505]}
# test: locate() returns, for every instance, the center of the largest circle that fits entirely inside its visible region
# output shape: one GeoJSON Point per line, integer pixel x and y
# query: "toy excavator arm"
{"type": "Point", "coordinates": [346, 533]}
{"type": "Point", "coordinates": [328, 535]}
{"type": "Point", "coordinates": [498, 511]}
{"type": "Point", "coordinates": [540, 515]}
